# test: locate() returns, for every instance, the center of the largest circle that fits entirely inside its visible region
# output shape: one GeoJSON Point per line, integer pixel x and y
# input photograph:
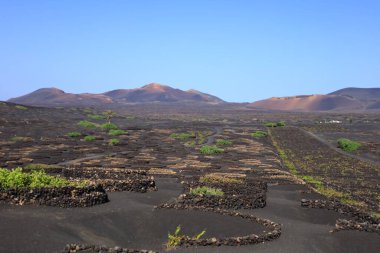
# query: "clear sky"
{"type": "Point", "coordinates": [238, 50]}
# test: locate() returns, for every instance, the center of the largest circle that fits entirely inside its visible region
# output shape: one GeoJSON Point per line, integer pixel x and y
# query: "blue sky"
{"type": "Point", "coordinates": [238, 50]}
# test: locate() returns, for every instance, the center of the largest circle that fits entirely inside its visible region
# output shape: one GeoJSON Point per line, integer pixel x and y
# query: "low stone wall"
{"type": "Point", "coordinates": [361, 221]}
{"type": "Point", "coordinates": [343, 224]}
{"type": "Point", "coordinates": [59, 196]}
{"type": "Point", "coordinates": [114, 179]}
{"type": "Point", "coordinates": [273, 231]}
{"type": "Point", "coordinates": [236, 196]}
{"type": "Point", "coordinates": [339, 207]}
{"type": "Point", "coordinates": [186, 201]}
{"type": "Point", "coordinates": [142, 185]}
{"type": "Point", "coordinates": [73, 248]}
{"type": "Point", "coordinates": [102, 173]}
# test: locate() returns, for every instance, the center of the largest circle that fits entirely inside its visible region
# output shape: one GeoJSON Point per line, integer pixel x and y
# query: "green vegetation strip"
{"type": "Point", "coordinates": [115, 132]}
{"type": "Point", "coordinates": [210, 150]}
{"type": "Point", "coordinates": [87, 124]}
{"type": "Point", "coordinates": [288, 164]}
{"type": "Point", "coordinates": [222, 142]}
{"type": "Point", "coordinates": [89, 138]}
{"type": "Point", "coordinates": [259, 134]}
{"type": "Point", "coordinates": [113, 142]}
{"type": "Point", "coordinates": [16, 178]}
{"type": "Point", "coordinates": [206, 191]}
{"type": "Point", "coordinates": [275, 124]}
{"type": "Point", "coordinates": [109, 126]}
{"type": "Point", "coordinates": [182, 136]}
{"type": "Point", "coordinates": [96, 116]}
{"type": "Point", "coordinates": [74, 134]}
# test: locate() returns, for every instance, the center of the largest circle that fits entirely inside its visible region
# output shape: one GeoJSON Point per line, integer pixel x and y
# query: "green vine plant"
{"type": "Point", "coordinates": [175, 239]}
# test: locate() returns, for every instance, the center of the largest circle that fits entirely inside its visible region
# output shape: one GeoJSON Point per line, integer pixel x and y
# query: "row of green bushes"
{"type": "Point", "coordinates": [275, 124]}
{"type": "Point", "coordinates": [16, 178]}
{"type": "Point", "coordinates": [92, 125]}
{"type": "Point", "coordinates": [112, 132]}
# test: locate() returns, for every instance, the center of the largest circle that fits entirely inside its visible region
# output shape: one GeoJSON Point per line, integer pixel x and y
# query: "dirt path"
{"type": "Point", "coordinates": [211, 138]}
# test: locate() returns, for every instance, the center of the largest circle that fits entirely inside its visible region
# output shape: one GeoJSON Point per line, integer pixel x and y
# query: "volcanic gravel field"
{"type": "Point", "coordinates": [140, 189]}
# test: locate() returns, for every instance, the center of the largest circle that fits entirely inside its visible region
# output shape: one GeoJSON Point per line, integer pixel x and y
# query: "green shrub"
{"type": "Point", "coordinates": [109, 126]}
{"type": "Point", "coordinates": [210, 150]}
{"type": "Point", "coordinates": [74, 134]}
{"type": "Point", "coordinates": [221, 142]}
{"type": "Point", "coordinates": [207, 191]}
{"type": "Point", "coordinates": [96, 116]}
{"type": "Point", "coordinates": [113, 142]}
{"type": "Point", "coordinates": [270, 124]}
{"type": "Point", "coordinates": [259, 134]}
{"type": "Point", "coordinates": [109, 115]}
{"type": "Point", "coordinates": [182, 136]}
{"type": "Point", "coordinates": [348, 145]}
{"type": "Point", "coordinates": [20, 107]}
{"type": "Point", "coordinates": [275, 124]}
{"type": "Point", "coordinates": [89, 138]}
{"type": "Point", "coordinates": [16, 178]}
{"type": "Point", "coordinates": [116, 132]}
{"type": "Point", "coordinates": [87, 124]}
{"type": "Point", "coordinates": [175, 239]}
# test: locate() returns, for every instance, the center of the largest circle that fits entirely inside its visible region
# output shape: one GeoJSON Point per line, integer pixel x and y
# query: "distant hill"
{"type": "Point", "coordinates": [57, 97]}
{"type": "Point", "coordinates": [160, 93]}
{"type": "Point", "coordinates": [344, 100]}
{"type": "Point", "coordinates": [360, 93]}
{"type": "Point", "coordinates": [147, 94]}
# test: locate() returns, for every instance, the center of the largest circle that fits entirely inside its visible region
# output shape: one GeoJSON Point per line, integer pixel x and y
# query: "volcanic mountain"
{"type": "Point", "coordinates": [147, 94]}
{"type": "Point", "coordinates": [57, 97]}
{"type": "Point", "coordinates": [344, 100]}
{"type": "Point", "coordinates": [364, 94]}
{"type": "Point", "coordinates": [160, 93]}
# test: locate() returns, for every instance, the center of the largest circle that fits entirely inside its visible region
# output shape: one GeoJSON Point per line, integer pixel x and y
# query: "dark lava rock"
{"type": "Point", "coordinates": [58, 196]}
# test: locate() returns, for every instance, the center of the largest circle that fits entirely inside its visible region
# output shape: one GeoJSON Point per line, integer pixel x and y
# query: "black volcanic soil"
{"type": "Point", "coordinates": [304, 230]}
{"type": "Point", "coordinates": [130, 219]}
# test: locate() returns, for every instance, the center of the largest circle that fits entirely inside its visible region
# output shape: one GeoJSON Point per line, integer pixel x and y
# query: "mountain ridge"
{"type": "Point", "coordinates": [150, 93]}
{"type": "Point", "coordinates": [346, 99]}
{"type": "Point", "coordinates": [349, 99]}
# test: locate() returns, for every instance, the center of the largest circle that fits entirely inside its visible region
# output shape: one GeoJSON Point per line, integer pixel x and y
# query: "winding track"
{"type": "Point", "coordinates": [211, 139]}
